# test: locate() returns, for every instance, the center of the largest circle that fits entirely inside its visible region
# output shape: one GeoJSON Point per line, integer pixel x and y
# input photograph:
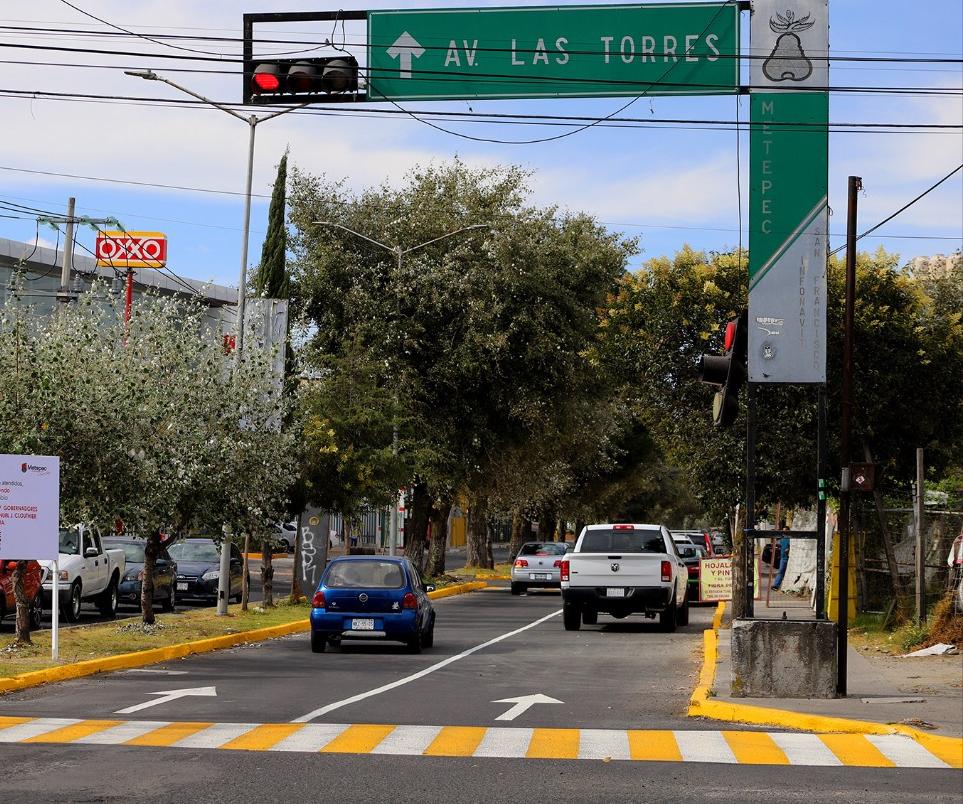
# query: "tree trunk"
{"type": "Point", "coordinates": [296, 593]}
{"type": "Point", "coordinates": [477, 550]}
{"type": "Point", "coordinates": [884, 531]}
{"type": "Point", "coordinates": [439, 539]}
{"type": "Point", "coordinates": [151, 549]}
{"type": "Point", "coordinates": [267, 573]}
{"type": "Point", "coordinates": [738, 564]}
{"type": "Point", "coordinates": [417, 530]}
{"type": "Point", "coordinates": [560, 529]}
{"type": "Point", "coordinates": [546, 525]}
{"type": "Point", "coordinates": [517, 539]}
{"type": "Point", "coordinates": [246, 574]}
{"type": "Point", "coordinates": [579, 524]}
{"type": "Point", "coordinates": [23, 605]}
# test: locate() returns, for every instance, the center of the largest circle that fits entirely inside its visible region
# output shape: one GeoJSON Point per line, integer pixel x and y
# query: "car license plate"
{"type": "Point", "coordinates": [611, 592]}
{"type": "Point", "coordinates": [539, 576]}
{"type": "Point", "coordinates": [182, 587]}
{"type": "Point", "coordinates": [362, 625]}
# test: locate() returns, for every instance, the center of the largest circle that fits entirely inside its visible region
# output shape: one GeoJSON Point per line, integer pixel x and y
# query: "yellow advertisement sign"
{"type": "Point", "coordinates": [131, 249]}
{"type": "Point", "coordinates": [715, 579]}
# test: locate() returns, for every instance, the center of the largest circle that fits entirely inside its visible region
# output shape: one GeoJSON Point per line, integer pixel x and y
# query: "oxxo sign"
{"type": "Point", "coordinates": [131, 249]}
{"type": "Point", "coordinates": [561, 51]}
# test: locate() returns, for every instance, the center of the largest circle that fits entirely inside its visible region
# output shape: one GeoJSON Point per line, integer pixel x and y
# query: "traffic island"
{"type": "Point", "coordinates": [783, 659]}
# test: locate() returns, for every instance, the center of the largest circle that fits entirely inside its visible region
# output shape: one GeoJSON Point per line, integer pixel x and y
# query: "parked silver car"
{"type": "Point", "coordinates": [538, 564]}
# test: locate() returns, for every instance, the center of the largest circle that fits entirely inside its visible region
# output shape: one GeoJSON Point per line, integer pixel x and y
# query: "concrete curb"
{"type": "Point", "coordinates": [701, 704]}
{"type": "Point", "coordinates": [141, 658]}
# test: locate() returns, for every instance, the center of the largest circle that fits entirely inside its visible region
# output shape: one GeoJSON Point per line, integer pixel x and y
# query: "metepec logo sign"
{"type": "Point", "coordinates": [34, 469]}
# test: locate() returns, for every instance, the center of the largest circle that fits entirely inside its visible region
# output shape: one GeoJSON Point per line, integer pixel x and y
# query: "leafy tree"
{"type": "Point", "coordinates": [151, 424]}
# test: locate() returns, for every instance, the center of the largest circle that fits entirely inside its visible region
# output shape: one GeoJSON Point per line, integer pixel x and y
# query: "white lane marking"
{"type": "Point", "coordinates": [904, 751]}
{"type": "Point", "coordinates": [167, 696]}
{"type": "Point", "coordinates": [804, 749]}
{"type": "Point", "coordinates": [501, 742]}
{"type": "Point", "coordinates": [602, 743]}
{"type": "Point", "coordinates": [420, 674]}
{"type": "Point", "coordinates": [523, 703]}
{"type": "Point", "coordinates": [215, 736]}
{"type": "Point", "coordinates": [407, 740]}
{"type": "Point", "coordinates": [122, 733]}
{"type": "Point", "coordinates": [43, 725]}
{"type": "Point", "coordinates": [152, 671]}
{"type": "Point", "coordinates": [312, 737]}
{"type": "Point", "coordinates": [704, 746]}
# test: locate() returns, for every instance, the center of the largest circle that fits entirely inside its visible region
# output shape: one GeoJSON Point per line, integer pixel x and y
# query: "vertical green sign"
{"type": "Point", "coordinates": [554, 51]}
{"type": "Point", "coordinates": [788, 177]}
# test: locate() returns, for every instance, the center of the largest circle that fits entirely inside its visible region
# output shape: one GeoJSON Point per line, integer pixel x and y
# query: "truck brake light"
{"type": "Point", "coordinates": [666, 572]}
{"type": "Point", "coordinates": [623, 527]}
{"type": "Point", "coordinates": [563, 568]}
{"type": "Point", "coordinates": [521, 563]}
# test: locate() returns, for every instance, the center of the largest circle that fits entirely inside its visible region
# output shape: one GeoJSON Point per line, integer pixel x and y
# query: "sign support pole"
{"type": "Point", "coordinates": [749, 541]}
{"type": "Point", "coordinates": [55, 612]}
{"type": "Point", "coordinates": [821, 505]}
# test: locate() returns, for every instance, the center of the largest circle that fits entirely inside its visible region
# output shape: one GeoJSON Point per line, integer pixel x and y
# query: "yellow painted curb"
{"type": "Point", "coordinates": [701, 704]}
{"type": "Point", "coordinates": [124, 661]}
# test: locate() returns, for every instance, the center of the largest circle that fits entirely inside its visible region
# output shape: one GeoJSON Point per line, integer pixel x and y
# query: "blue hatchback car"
{"type": "Point", "coordinates": [372, 597]}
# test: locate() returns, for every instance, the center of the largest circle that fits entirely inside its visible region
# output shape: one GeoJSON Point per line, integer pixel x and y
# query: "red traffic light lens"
{"type": "Point", "coordinates": [266, 78]}
{"type": "Point", "coordinates": [730, 336]}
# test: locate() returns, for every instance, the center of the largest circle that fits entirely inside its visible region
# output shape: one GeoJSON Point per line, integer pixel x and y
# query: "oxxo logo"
{"type": "Point", "coordinates": [131, 249]}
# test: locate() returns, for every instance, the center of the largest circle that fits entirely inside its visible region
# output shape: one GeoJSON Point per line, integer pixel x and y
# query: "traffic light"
{"type": "Point", "coordinates": [727, 372]}
{"type": "Point", "coordinates": [327, 79]}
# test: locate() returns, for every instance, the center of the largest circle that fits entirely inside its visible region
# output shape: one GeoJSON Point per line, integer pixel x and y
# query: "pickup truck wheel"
{"type": "Point", "coordinates": [518, 588]}
{"type": "Point", "coordinates": [667, 618]}
{"type": "Point", "coordinates": [572, 616]}
{"type": "Point", "coordinates": [36, 611]}
{"type": "Point", "coordinates": [71, 607]}
{"type": "Point", "coordinates": [107, 603]}
{"type": "Point", "coordinates": [590, 617]}
{"type": "Point", "coordinates": [682, 618]}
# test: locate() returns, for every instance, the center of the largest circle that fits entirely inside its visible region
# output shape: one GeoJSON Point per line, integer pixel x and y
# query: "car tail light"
{"type": "Point", "coordinates": [666, 571]}
{"type": "Point", "coordinates": [521, 562]}
{"type": "Point", "coordinates": [563, 566]}
{"type": "Point", "coordinates": [409, 601]}
{"type": "Point", "coordinates": [623, 527]}
{"type": "Point", "coordinates": [317, 602]}
{"type": "Point", "coordinates": [558, 563]}
{"type": "Point", "coordinates": [693, 572]}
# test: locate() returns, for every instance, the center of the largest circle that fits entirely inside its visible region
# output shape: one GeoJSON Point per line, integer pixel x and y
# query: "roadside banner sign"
{"type": "Point", "coordinates": [554, 51]}
{"type": "Point", "coordinates": [788, 186]}
{"type": "Point", "coordinates": [29, 507]}
{"type": "Point", "coordinates": [131, 249]}
{"type": "Point", "coordinates": [715, 579]}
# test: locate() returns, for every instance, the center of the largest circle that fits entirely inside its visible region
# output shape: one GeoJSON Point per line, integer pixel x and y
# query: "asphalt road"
{"type": "Point", "coordinates": [489, 646]}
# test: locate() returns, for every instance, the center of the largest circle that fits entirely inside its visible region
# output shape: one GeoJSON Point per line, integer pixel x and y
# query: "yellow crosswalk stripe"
{"type": "Point", "coordinates": [456, 741]}
{"type": "Point", "coordinates": [358, 739]}
{"type": "Point", "coordinates": [68, 734]}
{"type": "Point", "coordinates": [7, 722]}
{"type": "Point", "coordinates": [658, 746]}
{"type": "Point", "coordinates": [169, 734]}
{"type": "Point", "coordinates": [554, 744]}
{"type": "Point", "coordinates": [263, 737]}
{"type": "Point", "coordinates": [755, 748]}
{"type": "Point", "coordinates": [855, 749]}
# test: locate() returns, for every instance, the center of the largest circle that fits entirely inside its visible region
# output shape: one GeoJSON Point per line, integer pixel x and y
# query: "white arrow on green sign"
{"type": "Point", "coordinates": [554, 51]}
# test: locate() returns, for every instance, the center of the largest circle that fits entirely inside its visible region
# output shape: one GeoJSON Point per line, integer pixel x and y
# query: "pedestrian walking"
{"type": "Point", "coordinates": [783, 558]}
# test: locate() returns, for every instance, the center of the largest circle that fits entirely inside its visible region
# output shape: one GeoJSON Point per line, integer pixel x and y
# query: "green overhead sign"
{"type": "Point", "coordinates": [554, 51]}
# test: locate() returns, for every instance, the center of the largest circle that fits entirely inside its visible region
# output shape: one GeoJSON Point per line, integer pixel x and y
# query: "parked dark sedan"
{"type": "Point", "coordinates": [372, 597]}
{"type": "Point", "coordinates": [165, 568]}
{"type": "Point", "coordinates": [199, 569]}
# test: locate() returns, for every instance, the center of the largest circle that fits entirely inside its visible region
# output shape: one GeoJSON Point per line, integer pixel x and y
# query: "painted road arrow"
{"type": "Point", "coordinates": [403, 49]}
{"type": "Point", "coordinates": [523, 703]}
{"type": "Point", "coordinates": [169, 695]}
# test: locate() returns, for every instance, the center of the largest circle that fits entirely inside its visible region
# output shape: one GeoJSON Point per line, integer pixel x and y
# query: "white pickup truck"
{"type": "Point", "coordinates": [622, 570]}
{"type": "Point", "coordinates": [87, 572]}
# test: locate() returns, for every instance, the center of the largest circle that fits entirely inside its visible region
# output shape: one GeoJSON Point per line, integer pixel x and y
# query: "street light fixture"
{"type": "Point", "coordinates": [399, 253]}
{"type": "Point", "coordinates": [223, 587]}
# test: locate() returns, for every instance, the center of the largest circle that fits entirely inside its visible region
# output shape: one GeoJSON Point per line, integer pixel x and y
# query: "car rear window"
{"type": "Point", "coordinates": [542, 549]}
{"type": "Point", "coordinates": [364, 574]}
{"type": "Point", "coordinates": [622, 541]}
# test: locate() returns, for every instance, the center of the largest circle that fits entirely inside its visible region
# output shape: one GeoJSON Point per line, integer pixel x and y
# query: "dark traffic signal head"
{"type": "Point", "coordinates": [727, 372]}
{"type": "Point", "coordinates": [301, 80]}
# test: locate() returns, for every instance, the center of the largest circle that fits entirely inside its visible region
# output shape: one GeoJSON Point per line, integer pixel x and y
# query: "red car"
{"type": "Point", "coordinates": [31, 585]}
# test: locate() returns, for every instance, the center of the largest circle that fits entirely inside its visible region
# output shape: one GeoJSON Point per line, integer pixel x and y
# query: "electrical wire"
{"type": "Point", "coordinates": [903, 208]}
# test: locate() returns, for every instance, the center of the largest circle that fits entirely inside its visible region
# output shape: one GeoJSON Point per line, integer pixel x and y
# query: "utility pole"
{"type": "Point", "coordinates": [68, 263]}
{"type": "Point", "coordinates": [920, 550]}
{"type": "Point", "coordinates": [842, 622]}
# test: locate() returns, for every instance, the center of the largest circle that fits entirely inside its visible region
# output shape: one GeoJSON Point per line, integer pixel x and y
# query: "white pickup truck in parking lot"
{"type": "Point", "coordinates": [621, 570]}
{"type": "Point", "coordinates": [88, 571]}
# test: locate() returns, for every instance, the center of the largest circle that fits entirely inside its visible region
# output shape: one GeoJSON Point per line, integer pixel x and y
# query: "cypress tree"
{"type": "Point", "coordinates": [271, 280]}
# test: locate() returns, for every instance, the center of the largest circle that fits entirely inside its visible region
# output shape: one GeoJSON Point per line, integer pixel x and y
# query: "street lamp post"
{"type": "Point", "coordinates": [223, 586]}
{"type": "Point", "coordinates": [399, 253]}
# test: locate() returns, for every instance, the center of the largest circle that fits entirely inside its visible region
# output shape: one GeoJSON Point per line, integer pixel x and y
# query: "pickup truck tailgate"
{"type": "Point", "coordinates": [614, 570]}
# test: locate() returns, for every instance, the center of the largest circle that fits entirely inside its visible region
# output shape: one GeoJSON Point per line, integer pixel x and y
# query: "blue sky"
{"type": "Point", "coordinates": [670, 186]}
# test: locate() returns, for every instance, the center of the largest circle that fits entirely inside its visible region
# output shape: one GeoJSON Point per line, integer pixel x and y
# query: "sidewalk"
{"type": "Point", "coordinates": [924, 692]}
